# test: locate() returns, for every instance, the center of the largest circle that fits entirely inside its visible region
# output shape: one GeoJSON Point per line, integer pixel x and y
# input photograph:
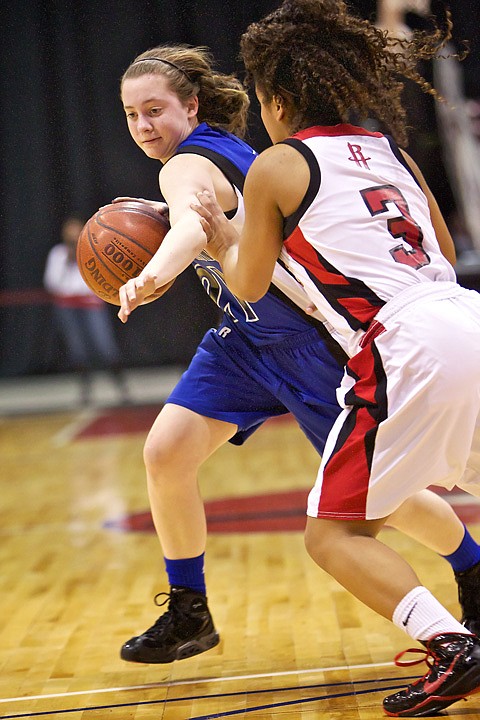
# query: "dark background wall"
{"type": "Point", "coordinates": [64, 146]}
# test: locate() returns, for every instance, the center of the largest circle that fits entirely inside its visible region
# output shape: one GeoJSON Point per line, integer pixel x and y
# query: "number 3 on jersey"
{"type": "Point", "coordinates": [376, 199]}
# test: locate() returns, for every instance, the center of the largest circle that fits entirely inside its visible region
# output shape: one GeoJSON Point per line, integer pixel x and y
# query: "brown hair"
{"type": "Point", "coordinates": [222, 99]}
{"type": "Point", "coordinates": [329, 64]}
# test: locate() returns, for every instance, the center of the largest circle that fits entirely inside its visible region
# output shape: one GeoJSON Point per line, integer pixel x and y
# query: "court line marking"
{"type": "Point", "coordinates": [201, 681]}
{"type": "Point", "coordinates": [270, 706]}
{"type": "Point", "coordinates": [74, 427]}
{"type": "Point", "coordinates": [237, 693]}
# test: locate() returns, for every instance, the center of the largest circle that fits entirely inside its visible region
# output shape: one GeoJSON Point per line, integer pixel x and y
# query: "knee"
{"type": "Point", "coordinates": [161, 456]}
{"type": "Point", "coordinates": [318, 541]}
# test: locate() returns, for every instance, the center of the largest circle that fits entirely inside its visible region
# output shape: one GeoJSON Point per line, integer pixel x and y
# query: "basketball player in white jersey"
{"type": "Point", "coordinates": [351, 217]}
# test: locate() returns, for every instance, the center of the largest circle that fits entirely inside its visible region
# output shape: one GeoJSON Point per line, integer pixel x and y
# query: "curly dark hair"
{"type": "Point", "coordinates": [330, 65]}
{"type": "Point", "coordinates": [222, 99]}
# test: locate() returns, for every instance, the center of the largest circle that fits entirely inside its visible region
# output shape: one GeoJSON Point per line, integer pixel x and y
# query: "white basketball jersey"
{"type": "Point", "coordinates": [363, 232]}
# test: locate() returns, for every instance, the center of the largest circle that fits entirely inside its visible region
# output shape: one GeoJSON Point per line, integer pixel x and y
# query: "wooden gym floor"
{"type": "Point", "coordinates": [80, 566]}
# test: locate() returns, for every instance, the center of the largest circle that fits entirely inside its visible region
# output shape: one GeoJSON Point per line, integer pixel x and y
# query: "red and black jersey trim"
{"type": "Point", "coordinates": [396, 151]}
{"type": "Point", "coordinates": [340, 130]}
{"type": "Point", "coordinates": [369, 394]}
{"type": "Point", "coordinates": [291, 222]}
{"type": "Point", "coordinates": [349, 297]}
{"type": "Point", "coordinates": [335, 349]}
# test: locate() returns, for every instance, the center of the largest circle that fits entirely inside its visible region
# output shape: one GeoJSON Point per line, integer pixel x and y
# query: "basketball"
{"type": "Point", "coordinates": [116, 244]}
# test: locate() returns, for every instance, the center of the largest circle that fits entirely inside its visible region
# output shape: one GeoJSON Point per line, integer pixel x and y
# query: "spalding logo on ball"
{"type": "Point", "coordinates": [116, 244]}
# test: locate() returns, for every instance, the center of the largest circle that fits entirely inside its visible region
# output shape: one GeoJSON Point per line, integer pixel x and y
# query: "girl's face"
{"type": "Point", "coordinates": [273, 116]}
{"type": "Point", "coordinates": [157, 119]}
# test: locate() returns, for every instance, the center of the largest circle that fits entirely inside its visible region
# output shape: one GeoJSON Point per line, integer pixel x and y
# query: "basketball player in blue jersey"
{"type": "Point", "coordinates": [261, 362]}
{"type": "Point", "coordinates": [355, 222]}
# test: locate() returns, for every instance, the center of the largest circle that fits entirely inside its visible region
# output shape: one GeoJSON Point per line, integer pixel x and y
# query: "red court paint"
{"type": "Point", "coordinates": [130, 420]}
{"type": "Point", "coordinates": [120, 421]}
{"type": "Point", "coordinates": [270, 512]}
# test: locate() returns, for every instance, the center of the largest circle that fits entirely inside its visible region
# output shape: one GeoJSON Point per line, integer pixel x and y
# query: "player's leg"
{"type": "Point", "coordinates": [368, 568]}
{"type": "Point", "coordinates": [211, 404]}
{"type": "Point", "coordinates": [384, 448]}
{"type": "Point", "coordinates": [426, 517]}
{"type": "Point", "coordinates": [379, 577]}
{"type": "Point", "coordinates": [431, 520]}
{"type": "Point", "coordinates": [433, 523]}
{"type": "Point", "coordinates": [469, 579]}
{"type": "Point", "coordinates": [177, 445]}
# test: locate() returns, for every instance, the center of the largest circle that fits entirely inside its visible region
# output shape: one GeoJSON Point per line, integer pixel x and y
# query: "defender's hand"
{"type": "Point", "coordinates": [220, 234]}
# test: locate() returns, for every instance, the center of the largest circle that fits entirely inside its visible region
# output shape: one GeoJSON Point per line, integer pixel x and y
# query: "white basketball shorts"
{"type": "Point", "coordinates": [411, 407]}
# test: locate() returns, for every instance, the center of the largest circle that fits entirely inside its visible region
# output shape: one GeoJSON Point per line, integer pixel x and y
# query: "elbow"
{"type": "Point", "coordinates": [246, 284]}
{"type": "Point", "coordinates": [247, 292]}
{"type": "Point", "coordinates": [253, 297]}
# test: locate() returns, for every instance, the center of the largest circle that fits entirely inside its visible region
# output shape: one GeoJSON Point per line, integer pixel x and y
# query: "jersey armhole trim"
{"type": "Point", "coordinates": [396, 151]}
{"type": "Point", "coordinates": [292, 221]}
{"type": "Point", "coordinates": [231, 171]}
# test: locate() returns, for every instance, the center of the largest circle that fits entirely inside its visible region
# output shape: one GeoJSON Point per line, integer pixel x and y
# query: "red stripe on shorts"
{"type": "Point", "coordinates": [346, 476]}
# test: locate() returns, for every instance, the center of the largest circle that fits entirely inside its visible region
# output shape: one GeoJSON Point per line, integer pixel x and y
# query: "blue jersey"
{"type": "Point", "coordinates": [267, 358]}
{"type": "Point", "coordinates": [276, 316]}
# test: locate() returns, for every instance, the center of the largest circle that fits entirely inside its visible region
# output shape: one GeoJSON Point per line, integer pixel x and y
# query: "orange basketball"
{"type": "Point", "coordinates": [116, 244]}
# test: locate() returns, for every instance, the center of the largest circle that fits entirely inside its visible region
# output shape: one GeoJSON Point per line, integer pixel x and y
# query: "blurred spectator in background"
{"type": "Point", "coordinates": [81, 318]}
{"type": "Point", "coordinates": [391, 14]}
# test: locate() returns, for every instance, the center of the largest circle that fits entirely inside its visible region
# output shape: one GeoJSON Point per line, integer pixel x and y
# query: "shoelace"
{"type": "Point", "coordinates": [161, 622]}
{"type": "Point", "coordinates": [427, 657]}
{"type": "Point", "coordinates": [160, 604]}
{"type": "Point", "coordinates": [427, 654]}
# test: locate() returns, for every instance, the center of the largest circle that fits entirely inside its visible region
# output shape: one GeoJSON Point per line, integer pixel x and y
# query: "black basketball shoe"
{"type": "Point", "coordinates": [468, 583]}
{"type": "Point", "coordinates": [453, 673]}
{"type": "Point", "coordinates": [186, 629]}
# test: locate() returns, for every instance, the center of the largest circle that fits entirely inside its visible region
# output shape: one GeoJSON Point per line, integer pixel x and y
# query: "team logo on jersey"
{"type": "Point", "coordinates": [213, 282]}
{"type": "Point", "coordinates": [357, 156]}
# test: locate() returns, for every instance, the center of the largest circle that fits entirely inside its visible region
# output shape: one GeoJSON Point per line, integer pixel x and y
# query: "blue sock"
{"type": "Point", "coordinates": [466, 555]}
{"type": "Point", "coordinates": [187, 572]}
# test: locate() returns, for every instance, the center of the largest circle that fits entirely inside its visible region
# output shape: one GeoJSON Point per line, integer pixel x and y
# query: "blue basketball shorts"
{"type": "Point", "coordinates": [232, 380]}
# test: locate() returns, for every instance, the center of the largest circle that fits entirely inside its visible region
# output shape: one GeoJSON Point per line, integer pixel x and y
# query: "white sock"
{"type": "Point", "coordinates": [421, 616]}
